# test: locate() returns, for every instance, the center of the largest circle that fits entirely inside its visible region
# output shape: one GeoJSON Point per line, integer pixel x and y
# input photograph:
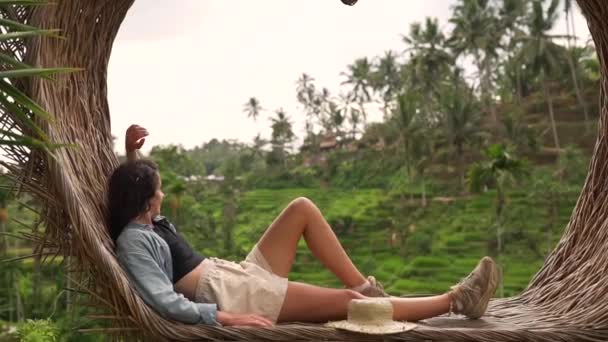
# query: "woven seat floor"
{"type": "Point", "coordinates": [506, 320]}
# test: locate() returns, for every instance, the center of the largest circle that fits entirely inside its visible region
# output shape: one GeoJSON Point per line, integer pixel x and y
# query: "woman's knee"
{"type": "Point", "coordinates": [301, 205]}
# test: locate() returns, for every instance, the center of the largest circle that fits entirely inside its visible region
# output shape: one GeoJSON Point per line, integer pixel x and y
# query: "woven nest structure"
{"type": "Point", "coordinates": [565, 301]}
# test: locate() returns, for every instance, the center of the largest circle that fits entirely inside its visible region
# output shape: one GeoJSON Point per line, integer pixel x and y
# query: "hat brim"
{"type": "Point", "coordinates": [392, 327]}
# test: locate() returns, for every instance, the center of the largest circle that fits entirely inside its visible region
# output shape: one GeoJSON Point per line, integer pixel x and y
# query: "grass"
{"type": "Point", "coordinates": [440, 244]}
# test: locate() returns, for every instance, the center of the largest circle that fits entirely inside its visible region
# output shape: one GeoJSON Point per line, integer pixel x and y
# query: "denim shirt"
{"type": "Point", "coordinates": [146, 259]}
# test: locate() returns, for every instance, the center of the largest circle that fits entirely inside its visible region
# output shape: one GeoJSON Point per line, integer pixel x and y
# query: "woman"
{"type": "Point", "coordinates": [184, 286]}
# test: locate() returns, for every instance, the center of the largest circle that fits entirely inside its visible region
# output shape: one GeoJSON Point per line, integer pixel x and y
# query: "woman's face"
{"type": "Point", "coordinates": [157, 200]}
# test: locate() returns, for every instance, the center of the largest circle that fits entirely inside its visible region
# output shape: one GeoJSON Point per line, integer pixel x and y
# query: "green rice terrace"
{"type": "Point", "coordinates": [426, 252]}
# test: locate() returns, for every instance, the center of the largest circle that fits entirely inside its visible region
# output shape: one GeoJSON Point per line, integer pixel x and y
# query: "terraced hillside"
{"type": "Point", "coordinates": [429, 252]}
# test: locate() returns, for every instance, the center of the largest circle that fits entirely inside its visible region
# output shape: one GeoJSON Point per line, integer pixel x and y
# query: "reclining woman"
{"type": "Point", "coordinates": [182, 285]}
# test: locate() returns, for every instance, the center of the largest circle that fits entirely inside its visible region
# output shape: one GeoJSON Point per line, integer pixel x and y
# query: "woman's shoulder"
{"type": "Point", "coordinates": [137, 236]}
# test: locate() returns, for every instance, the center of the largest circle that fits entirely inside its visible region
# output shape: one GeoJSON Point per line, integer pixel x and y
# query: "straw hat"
{"type": "Point", "coordinates": [371, 316]}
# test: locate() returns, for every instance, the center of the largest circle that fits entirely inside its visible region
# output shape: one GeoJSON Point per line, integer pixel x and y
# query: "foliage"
{"type": "Point", "coordinates": [253, 108]}
{"type": "Point", "coordinates": [499, 170]}
{"type": "Point", "coordinates": [42, 330]}
{"type": "Point", "coordinates": [12, 98]}
{"type": "Point", "coordinates": [522, 135]}
{"type": "Point", "coordinates": [429, 62]}
{"type": "Point", "coordinates": [572, 166]}
{"type": "Point", "coordinates": [358, 77]}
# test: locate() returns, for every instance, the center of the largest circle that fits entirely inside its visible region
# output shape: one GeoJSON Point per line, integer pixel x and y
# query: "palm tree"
{"type": "Point", "coordinates": [570, 27]}
{"type": "Point", "coordinates": [516, 79]}
{"type": "Point", "coordinates": [478, 32]}
{"type": "Point", "coordinates": [409, 122]}
{"type": "Point", "coordinates": [358, 78]}
{"type": "Point", "coordinates": [512, 15]}
{"type": "Point", "coordinates": [258, 145]}
{"type": "Point", "coordinates": [517, 130]}
{"type": "Point", "coordinates": [540, 53]}
{"type": "Point", "coordinates": [336, 119]}
{"type": "Point", "coordinates": [354, 118]}
{"type": "Point", "coordinates": [387, 79]}
{"type": "Point", "coordinates": [462, 120]}
{"type": "Point", "coordinates": [282, 133]}
{"type": "Point", "coordinates": [305, 89]}
{"type": "Point", "coordinates": [253, 108]}
{"type": "Point", "coordinates": [499, 170]}
{"type": "Point", "coordinates": [307, 96]}
{"type": "Point", "coordinates": [328, 110]}
{"type": "Point", "coordinates": [429, 62]}
{"type": "Point", "coordinates": [413, 140]}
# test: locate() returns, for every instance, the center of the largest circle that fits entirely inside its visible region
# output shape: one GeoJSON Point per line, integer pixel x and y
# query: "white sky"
{"type": "Point", "coordinates": [184, 68]}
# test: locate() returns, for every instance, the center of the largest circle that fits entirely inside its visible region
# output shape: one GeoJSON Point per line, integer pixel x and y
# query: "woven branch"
{"type": "Point", "coordinates": [564, 301]}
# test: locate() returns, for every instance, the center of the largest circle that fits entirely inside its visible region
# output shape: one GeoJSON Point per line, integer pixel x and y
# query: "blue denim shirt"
{"type": "Point", "coordinates": [146, 259]}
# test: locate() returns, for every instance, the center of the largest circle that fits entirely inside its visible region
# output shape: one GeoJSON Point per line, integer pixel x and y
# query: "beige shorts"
{"type": "Point", "coordinates": [246, 287]}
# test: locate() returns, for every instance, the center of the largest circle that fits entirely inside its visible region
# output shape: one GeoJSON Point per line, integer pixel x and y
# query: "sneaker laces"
{"type": "Point", "coordinates": [374, 283]}
{"type": "Point", "coordinates": [460, 290]}
{"type": "Point", "coordinates": [463, 280]}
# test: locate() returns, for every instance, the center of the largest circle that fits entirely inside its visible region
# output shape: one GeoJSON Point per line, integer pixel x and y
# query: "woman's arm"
{"type": "Point", "coordinates": [137, 257]}
{"type": "Point", "coordinates": [134, 140]}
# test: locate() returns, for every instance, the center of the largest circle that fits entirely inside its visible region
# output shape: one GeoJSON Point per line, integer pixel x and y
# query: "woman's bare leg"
{"type": "Point", "coordinates": [302, 218]}
{"type": "Point", "coordinates": [308, 303]}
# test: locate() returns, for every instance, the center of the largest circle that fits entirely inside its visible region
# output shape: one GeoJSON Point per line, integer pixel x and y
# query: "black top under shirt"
{"type": "Point", "coordinates": [184, 258]}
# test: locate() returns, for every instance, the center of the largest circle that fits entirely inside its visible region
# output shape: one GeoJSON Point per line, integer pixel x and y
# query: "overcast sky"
{"type": "Point", "coordinates": [184, 68]}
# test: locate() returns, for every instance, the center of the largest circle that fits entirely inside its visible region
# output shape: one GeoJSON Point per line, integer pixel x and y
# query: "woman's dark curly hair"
{"type": "Point", "coordinates": [130, 189]}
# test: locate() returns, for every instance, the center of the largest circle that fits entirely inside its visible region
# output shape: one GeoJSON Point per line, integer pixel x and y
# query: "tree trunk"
{"type": "Point", "coordinates": [10, 277]}
{"type": "Point", "coordinates": [500, 203]}
{"type": "Point", "coordinates": [483, 68]}
{"type": "Point", "coordinates": [490, 96]}
{"type": "Point", "coordinates": [460, 152]}
{"type": "Point", "coordinates": [363, 115]}
{"type": "Point", "coordinates": [18, 303]}
{"type": "Point", "coordinates": [36, 285]}
{"type": "Point", "coordinates": [520, 95]}
{"type": "Point", "coordinates": [4, 216]}
{"type": "Point", "coordinates": [17, 294]}
{"type": "Point", "coordinates": [36, 276]}
{"type": "Point", "coordinates": [577, 89]}
{"type": "Point", "coordinates": [424, 202]}
{"type": "Point", "coordinates": [3, 240]}
{"type": "Point", "coordinates": [551, 114]}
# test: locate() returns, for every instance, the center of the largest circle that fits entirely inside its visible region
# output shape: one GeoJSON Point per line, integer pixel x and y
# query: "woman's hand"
{"type": "Point", "coordinates": [230, 319]}
{"type": "Point", "coordinates": [135, 138]}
